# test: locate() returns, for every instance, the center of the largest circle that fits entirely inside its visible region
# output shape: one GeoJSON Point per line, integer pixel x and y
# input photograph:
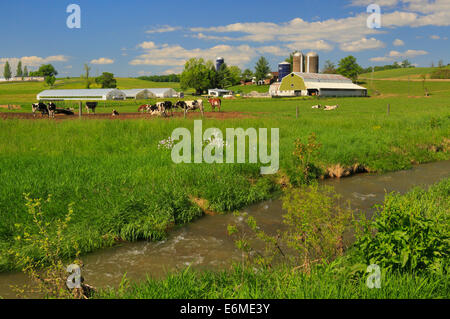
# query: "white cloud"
{"type": "Point", "coordinates": [173, 71]}
{"type": "Point", "coordinates": [435, 37]}
{"type": "Point", "coordinates": [102, 61]}
{"type": "Point", "coordinates": [381, 59]}
{"type": "Point", "coordinates": [163, 29]}
{"type": "Point", "coordinates": [362, 44]}
{"type": "Point", "coordinates": [398, 43]}
{"type": "Point", "coordinates": [147, 45]}
{"type": "Point", "coordinates": [407, 54]}
{"type": "Point", "coordinates": [35, 60]}
{"type": "Point", "coordinates": [384, 3]}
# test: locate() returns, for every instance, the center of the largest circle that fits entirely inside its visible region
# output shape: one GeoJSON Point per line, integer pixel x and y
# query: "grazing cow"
{"type": "Point", "coordinates": [330, 107]}
{"type": "Point", "coordinates": [144, 108]}
{"type": "Point", "coordinates": [91, 106]}
{"type": "Point", "coordinates": [115, 113]}
{"type": "Point", "coordinates": [317, 106]}
{"type": "Point", "coordinates": [215, 102]}
{"type": "Point", "coordinates": [51, 109]}
{"type": "Point", "coordinates": [39, 107]}
{"type": "Point", "coordinates": [181, 104]}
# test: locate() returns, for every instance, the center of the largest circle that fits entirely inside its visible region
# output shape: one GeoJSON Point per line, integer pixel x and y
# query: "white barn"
{"type": "Point", "coordinates": [304, 84]}
{"type": "Point", "coordinates": [81, 95]}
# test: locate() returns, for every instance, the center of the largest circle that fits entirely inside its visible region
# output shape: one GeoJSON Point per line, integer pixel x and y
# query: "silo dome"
{"type": "Point", "coordinates": [312, 54]}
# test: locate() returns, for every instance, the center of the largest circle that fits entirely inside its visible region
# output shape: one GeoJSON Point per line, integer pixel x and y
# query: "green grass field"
{"type": "Point", "coordinates": [412, 73]}
{"type": "Point", "coordinates": [124, 187]}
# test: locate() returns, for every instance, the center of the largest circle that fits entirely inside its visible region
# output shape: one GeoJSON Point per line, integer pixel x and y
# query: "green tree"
{"type": "Point", "coordinates": [349, 68]}
{"type": "Point", "coordinates": [235, 75]}
{"type": "Point", "coordinates": [19, 72]}
{"type": "Point", "coordinates": [329, 67]}
{"type": "Point", "coordinates": [46, 70]}
{"type": "Point", "coordinates": [87, 69]}
{"type": "Point", "coordinates": [290, 60]}
{"type": "Point", "coordinates": [198, 74]}
{"type": "Point", "coordinates": [106, 80]}
{"type": "Point", "coordinates": [261, 69]}
{"type": "Point", "coordinates": [50, 80]}
{"type": "Point", "coordinates": [247, 75]}
{"type": "Point", "coordinates": [405, 63]}
{"type": "Point", "coordinates": [7, 71]}
{"type": "Point", "coordinates": [25, 71]}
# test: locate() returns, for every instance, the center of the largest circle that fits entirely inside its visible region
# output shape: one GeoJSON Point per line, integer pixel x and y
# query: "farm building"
{"type": "Point", "coordinates": [304, 84]}
{"type": "Point", "coordinates": [139, 94]}
{"type": "Point", "coordinates": [81, 95]}
{"type": "Point", "coordinates": [163, 92]}
{"type": "Point", "coordinates": [218, 92]}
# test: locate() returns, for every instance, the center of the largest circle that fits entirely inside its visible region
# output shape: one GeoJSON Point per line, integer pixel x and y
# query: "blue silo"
{"type": "Point", "coordinates": [219, 63]}
{"type": "Point", "coordinates": [284, 68]}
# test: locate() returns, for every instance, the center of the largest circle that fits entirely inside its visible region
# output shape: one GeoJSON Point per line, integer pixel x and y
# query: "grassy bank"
{"type": "Point", "coordinates": [413, 225]}
{"type": "Point", "coordinates": [124, 188]}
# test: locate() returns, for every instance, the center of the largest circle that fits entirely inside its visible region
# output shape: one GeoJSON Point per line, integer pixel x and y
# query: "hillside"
{"type": "Point", "coordinates": [413, 73]}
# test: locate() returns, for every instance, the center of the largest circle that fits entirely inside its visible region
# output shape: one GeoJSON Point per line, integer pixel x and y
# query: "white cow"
{"type": "Point", "coordinates": [316, 106]}
{"type": "Point", "coordinates": [330, 107]}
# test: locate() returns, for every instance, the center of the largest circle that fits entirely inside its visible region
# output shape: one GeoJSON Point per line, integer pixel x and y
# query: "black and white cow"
{"type": "Point", "coordinates": [91, 106]}
{"type": "Point", "coordinates": [51, 109]}
{"type": "Point", "coordinates": [41, 108]}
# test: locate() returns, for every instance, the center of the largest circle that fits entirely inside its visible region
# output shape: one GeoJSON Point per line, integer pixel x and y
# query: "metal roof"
{"type": "Point", "coordinates": [84, 94]}
{"type": "Point", "coordinates": [134, 92]}
{"type": "Point", "coordinates": [333, 85]}
{"type": "Point", "coordinates": [319, 77]}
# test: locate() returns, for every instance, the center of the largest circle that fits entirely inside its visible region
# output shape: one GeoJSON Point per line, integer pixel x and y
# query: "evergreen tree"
{"type": "Point", "coordinates": [7, 71]}
{"type": "Point", "coordinates": [19, 72]}
{"type": "Point", "coordinates": [25, 71]}
{"type": "Point", "coordinates": [261, 69]}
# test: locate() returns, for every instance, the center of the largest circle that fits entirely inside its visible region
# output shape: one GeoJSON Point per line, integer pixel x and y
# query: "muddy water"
{"type": "Point", "coordinates": [204, 244]}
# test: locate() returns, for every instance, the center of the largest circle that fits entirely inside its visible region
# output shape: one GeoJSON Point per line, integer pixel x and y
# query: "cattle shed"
{"type": "Point", "coordinates": [139, 94]}
{"type": "Point", "coordinates": [307, 84]}
{"type": "Point", "coordinates": [163, 92]}
{"type": "Point", "coordinates": [81, 95]}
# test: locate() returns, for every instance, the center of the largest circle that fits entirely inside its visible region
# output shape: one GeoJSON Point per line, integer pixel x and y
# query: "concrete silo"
{"type": "Point", "coordinates": [284, 69]}
{"type": "Point", "coordinates": [312, 63]}
{"type": "Point", "coordinates": [298, 62]}
{"type": "Point", "coordinates": [219, 62]}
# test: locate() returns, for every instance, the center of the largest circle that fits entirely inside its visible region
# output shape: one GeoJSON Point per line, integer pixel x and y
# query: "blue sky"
{"type": "Point", "coordinates": [137, 37]}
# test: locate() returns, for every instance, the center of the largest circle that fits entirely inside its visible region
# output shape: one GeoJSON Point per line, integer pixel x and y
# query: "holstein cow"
{"type": "Point", "coordinates": [65, 111]}
{"type": "Point", "coordinates": [144, 108]}
{"type": "Point", "coordinates": [51, 109]}
{"type": "Point", "coordinates": [115, 113]}
{"type": "Point", "coordinates": [316, 106]}
{"type": "Point", "coordinates": [91, 106]}
{"type": "Point", "coordinates": [330, 107]}
{"type": "Point", "coordinates": [39, 107]}
{"type": "Point", "coordinates": [215, 102]}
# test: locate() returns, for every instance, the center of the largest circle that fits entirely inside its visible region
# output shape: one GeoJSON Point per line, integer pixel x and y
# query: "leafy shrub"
{"type": "Point", "coordinates": [410, 232]}
{"type": "Point", "coordinates": [305, 155]}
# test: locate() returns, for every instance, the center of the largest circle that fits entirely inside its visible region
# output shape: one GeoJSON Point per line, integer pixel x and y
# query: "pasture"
{"type": "Point", "coordinates": [402, 74]}
{"type": "Point", "coordinates": [124, 187]}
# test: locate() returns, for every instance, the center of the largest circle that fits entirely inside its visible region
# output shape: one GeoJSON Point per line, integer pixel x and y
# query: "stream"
{"type": "Point", "coordinates": [204, 244]}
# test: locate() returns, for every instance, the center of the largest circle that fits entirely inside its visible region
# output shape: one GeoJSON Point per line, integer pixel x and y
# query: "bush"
{"type": "Point", "coordinates": [441, 74]}
{"type": "Point", "coordinates": [410, 232]}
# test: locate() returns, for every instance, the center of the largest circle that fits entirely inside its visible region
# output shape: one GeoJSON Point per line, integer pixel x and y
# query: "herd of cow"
{"type": "Point", "coordinates": [160, 108]}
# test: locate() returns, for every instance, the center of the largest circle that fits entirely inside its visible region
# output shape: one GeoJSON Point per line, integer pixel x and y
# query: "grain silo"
{"type": "Point", "coordinates": [284, 69]}
{"type": "Point", "coordinates": [298, 62]}
{"type": "Point", "coordinates": [312, 63]}
{"type": "Point", "coordinates": [219, 63]}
